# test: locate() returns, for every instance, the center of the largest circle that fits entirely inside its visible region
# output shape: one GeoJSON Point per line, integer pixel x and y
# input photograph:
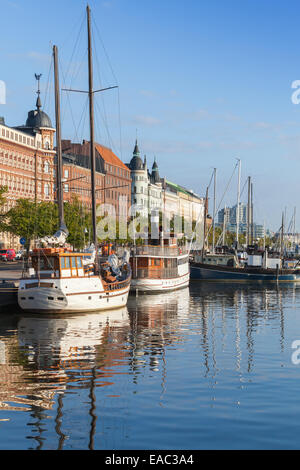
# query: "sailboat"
{"type": "Point", "coordinates": [252, 265]}
{"type": "Point", "coordinates": [62, 281]}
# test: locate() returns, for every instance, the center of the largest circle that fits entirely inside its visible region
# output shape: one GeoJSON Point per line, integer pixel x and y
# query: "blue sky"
{"type": "Point", "coordinates": [201, 83]}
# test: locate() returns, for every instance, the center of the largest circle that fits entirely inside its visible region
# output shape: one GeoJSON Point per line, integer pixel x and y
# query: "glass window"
{"type": "Point", "coordinates": [79, 262]}
{"type": "Point", "coordinates": [67, 261]}
{"type": "Point", "coordinates": [62, 263]}
{"type": "Point", "coordinates": [73, 262]}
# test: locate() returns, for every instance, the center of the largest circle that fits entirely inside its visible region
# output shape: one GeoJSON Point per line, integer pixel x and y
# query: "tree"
{"type": "Point", "coordinates": [31, 220]}
{"type": "Point", "coordinates": [78, 220]}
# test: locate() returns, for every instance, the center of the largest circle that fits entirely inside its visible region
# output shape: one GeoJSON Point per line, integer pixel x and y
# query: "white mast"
{"type": "Point", "coordinates": [214, 215]}
{"type": "Point", "coordinates": [238, 203]}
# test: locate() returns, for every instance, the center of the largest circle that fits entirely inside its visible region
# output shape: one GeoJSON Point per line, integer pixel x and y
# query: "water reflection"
{"type": "Point", "coordinates": [221, 307]}
{"type": "Point", "coordinates": [210, 329]}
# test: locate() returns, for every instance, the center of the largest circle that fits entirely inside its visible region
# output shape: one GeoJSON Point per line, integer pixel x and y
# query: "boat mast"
{"type": "Point", "coordinates": [92, 134]}
{"type": "Point", "coordinates": [238, 205]}
{"type": "Point", "coordinates": [59, 166]}
{"type": "Point", "coordinates": [282, 236]}
{"type": "Point", "coordinates": [251, 211]}
{"type": "Point", "coordinates": [214, 215]}
{"type": "Point", "coordinates": [204, 222]}
{"type": "Point", "coordinates": [248, 212]}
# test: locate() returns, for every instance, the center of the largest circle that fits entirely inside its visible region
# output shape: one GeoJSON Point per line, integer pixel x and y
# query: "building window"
{"type": "Point", "coordinates": [66, 188]}
{"type": "Point", "coordinates": [46, 189]}
{"type": "Point", "coordinates": [66, 173]}
{"type": "Point", "coordinates": [46, 167]}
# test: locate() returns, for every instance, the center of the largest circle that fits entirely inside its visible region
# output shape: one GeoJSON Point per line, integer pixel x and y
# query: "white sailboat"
{"type": "Point", "coordinates": [60, 280]}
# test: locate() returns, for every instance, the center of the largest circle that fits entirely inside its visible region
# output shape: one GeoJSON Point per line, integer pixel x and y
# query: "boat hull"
{"type": "Point", "coordinates": [147, 285]}
{"type": "Point", "coordinates": [61, 300]}
{"type": "Point", "coordinates": [206, 272]}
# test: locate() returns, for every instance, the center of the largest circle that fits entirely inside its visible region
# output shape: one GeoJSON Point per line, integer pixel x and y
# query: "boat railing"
{"type": "Point", "coordinates": [159, 251]}
{"type": "Point", "coordinates": [165, 273]}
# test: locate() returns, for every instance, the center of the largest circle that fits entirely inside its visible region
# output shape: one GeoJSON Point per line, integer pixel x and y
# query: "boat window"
{"type": "Point", "coordinates": [73, 262]}
{"type": "Point", "coordinates": [62, 262]}
{"type": "Point", "coordinates": [142, 262]}
{"type": "Point", "coordinates": [156, 262]}
{"type": "Point", "coordinates": [67, 262]}
{"type": "Point", "coordinates": [79, 262]}
{"type": "Point", "coordinates": [43, 264]}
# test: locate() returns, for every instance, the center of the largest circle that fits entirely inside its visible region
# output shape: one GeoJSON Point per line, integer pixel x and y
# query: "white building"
{"type": "Point", "coordinates": [149, 191]}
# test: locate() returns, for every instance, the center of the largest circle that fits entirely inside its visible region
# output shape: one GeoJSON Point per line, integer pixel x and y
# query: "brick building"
{"type": "Point", "coordinates": [27, 162]}
{"type": "Point", "coordinates": [113, 180]}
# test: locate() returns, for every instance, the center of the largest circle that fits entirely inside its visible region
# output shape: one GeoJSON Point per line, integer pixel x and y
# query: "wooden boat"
{"type": "Point", "coordinates": [63, 281]}
{"type": "Point", "coordinates": [160, 266]}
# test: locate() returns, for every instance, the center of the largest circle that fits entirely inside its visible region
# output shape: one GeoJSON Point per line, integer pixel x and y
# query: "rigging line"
{"type": "Point", "coordinates": [120, 125]}
{"type": "Point", "coordinates": [47, 97]}
{"type": "Point", "coordinates": [102, 98]}
{"type": "Point", "coordinates": [75, 45]}
{"type": "Point", "coordinates": [222, 198]}
{"type": "Point", "coordinates": [243, 187]}
{"type": "Point", "coordinates": [195, 228]}
{"type": "Point", "coordinates": [80, 65]}
{"type": "Point", "coordinates": [109, 137]}
{"type": "Point", "coordinates": [211, 178]}
{"type": "Point", "coordinates": [74, 28]}
{"type": "Point", "coordinates": [106, 54]}
{"type": "Point", "coordinates": [68, 98]}
{"type": "Point", "coordinates": [84, 118]}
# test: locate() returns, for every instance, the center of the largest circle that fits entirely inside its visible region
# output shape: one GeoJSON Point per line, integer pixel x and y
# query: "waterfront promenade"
{"type": "Point", "coordinates": [10, 273]}
{"type": "Point", "coordinates": [10, 270]}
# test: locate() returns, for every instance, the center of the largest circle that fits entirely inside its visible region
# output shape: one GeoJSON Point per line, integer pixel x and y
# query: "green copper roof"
{"type": "Point", "coordinates": [181, 189]}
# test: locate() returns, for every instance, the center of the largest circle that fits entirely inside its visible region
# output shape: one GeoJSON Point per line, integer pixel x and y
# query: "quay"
{"type": "Point", "coordinates": [10, 273]}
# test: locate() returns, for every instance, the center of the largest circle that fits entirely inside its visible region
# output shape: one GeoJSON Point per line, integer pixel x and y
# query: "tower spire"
{"type": "Point", "coordinates": [38, 100]}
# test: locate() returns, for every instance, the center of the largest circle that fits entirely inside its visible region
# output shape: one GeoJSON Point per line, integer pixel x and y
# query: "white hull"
{"type": "Point", "coordinates": [69, 295]}
{"type": "Point", "coordinates": [160, 285]}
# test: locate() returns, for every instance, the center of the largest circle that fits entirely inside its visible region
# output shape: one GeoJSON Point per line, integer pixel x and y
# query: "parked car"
{"type": "Point", "coordinates": [7, 255]}
{"type": "Point", "coordinates": [19, 255]}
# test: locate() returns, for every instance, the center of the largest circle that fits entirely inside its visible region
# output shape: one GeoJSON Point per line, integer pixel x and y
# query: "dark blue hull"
{"type": "Point", "coordinates": [205, 272]}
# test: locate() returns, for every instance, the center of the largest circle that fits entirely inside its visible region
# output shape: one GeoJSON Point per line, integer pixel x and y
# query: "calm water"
{"type": "Point", "coordinates": [208, 367]}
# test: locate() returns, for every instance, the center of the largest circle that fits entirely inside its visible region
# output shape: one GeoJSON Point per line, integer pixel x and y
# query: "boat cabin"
{"type": "Point", "coordinates": [56, 263]}
{"type": "Point", "coordinates": [157, 260]}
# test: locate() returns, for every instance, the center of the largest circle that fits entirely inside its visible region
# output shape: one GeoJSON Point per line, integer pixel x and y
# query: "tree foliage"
{"type": "Point", "coordinates": [33, 220]}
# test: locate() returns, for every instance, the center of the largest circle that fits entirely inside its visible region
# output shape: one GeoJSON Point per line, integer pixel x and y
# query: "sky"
{"type": "Point", "coordinates": [200, 85]}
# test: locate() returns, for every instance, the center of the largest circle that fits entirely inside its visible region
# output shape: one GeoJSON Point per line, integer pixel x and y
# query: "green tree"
{"type": "Point", "coordinates": [31, 220]}
{"type": "Point", "coordinates": [78, 220]}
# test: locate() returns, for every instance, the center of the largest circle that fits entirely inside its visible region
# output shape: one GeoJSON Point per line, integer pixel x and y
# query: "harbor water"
{"type": "Point", "coordinates": [213, 366]}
